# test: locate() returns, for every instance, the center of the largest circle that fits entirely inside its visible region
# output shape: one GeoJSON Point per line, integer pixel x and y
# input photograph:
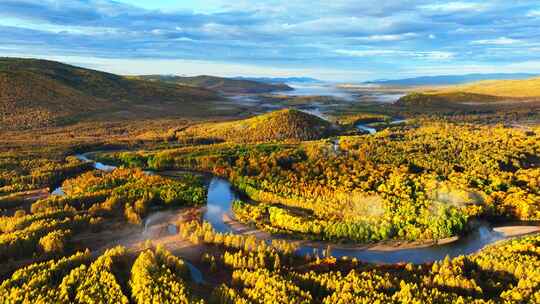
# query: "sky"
{"type": "Point", "coordinates": [338, 40]}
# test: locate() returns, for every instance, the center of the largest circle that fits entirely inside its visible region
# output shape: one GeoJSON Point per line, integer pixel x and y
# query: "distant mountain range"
{"type": "Point", "coordinates": [451, 79]}
{"type": "Point", "coordinates": [280, 79]}
{"type": "Point", "coordinates": [221, 84]}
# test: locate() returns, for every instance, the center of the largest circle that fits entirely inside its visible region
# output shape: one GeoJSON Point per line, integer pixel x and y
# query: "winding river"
{"type": "Point", "coordinates": [221, 194]}
{"type": "Point", "coordinates": [371, 130]}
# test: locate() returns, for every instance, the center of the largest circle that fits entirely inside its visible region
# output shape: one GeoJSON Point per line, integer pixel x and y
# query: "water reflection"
{"type": "Point", "coordinates": [58, 191]}
{"type": "Point", "coordinates": [219, 201]}
{"type": "Point", "coordinates": [196, 274]}
{"type": "Point", "coordinates": [221, 195]}
{"type": "Point", "coordinates": [370, 130]}
{"type": "Point", "coordinates": [97, 165]}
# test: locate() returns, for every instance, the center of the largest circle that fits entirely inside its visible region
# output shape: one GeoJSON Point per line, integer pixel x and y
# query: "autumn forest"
{"type": "Point", "coordinates": [175, 192]}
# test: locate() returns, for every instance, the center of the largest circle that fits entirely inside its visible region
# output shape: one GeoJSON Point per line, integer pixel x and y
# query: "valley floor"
{"type": "Point", "coordinates": [102, 210]}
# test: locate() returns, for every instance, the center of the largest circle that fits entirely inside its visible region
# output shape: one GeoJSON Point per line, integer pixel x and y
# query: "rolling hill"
{"type": "Point", "coordinates": [37, 93]}
{"type": "Point", "coordinates": [220, 84]}
{"type": "Point", "coordinates": [444, 99]}
{"type": "Point", "coordinates": [524, 88]}
{"type": "Point", "coordinates": [285, 124]}
{"type": "Point", "coordinates": [490, 93]}
{"type": "Point", "coordinates": [450, 79]}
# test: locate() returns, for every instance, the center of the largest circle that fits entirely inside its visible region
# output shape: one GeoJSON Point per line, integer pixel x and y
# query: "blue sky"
{"type": "Point", "coordinates": [337, 40]}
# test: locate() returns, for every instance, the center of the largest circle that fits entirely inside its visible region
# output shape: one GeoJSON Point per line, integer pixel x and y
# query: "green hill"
{"type": "Point", "coordinates": [280, 125]}
{"type": "Point", "coordinates": [224, 85]}
{"type": "Point", "coordinates": [37, 93]}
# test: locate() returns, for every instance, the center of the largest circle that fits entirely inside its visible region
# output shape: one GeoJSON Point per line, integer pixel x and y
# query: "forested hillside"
{"type": "Point", "coordinates": [221, 84]}
{"type": "Point", "coordinates": [422, 182]}
{"type": "Point", "coordinates": [243, 270]}
{"type": "Point", "coordinates": [286, 124]}
{"type": "Point", "coordinates": [36, 93]}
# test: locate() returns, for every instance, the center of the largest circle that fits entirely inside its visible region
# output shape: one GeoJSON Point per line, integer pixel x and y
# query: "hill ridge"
{"type": "Point", "coordinates": [286, 124]}
{"type": "Point", "coordinates": [221, 84]}
{"type": "Point", "coordinates": [38, 93]}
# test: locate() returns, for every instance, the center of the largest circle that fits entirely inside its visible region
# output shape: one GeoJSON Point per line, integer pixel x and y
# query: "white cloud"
{"type": "Point", "coordinates": [497, 41]}
{"type": "Point", "coordinates": [366, 53]}
{"type": "Point", "coordinates": [533, 13]}
{"type": "Point", "coordinates": [352, 26]}
{"type": "Point", "coordinates": [57, 28]}
{"type": "Point", "coordinates": [186, 39]}
{"type": "Point", "coordinates": [454, 7]}
{"type": "Point", "coordinates": [261, 35]}
{"type": "Point", "coordinates": [434, 55]}
{"type": "Point", "coordinates": [382, 38]}
{"type": "Point", "coordinates": [429, 55]}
